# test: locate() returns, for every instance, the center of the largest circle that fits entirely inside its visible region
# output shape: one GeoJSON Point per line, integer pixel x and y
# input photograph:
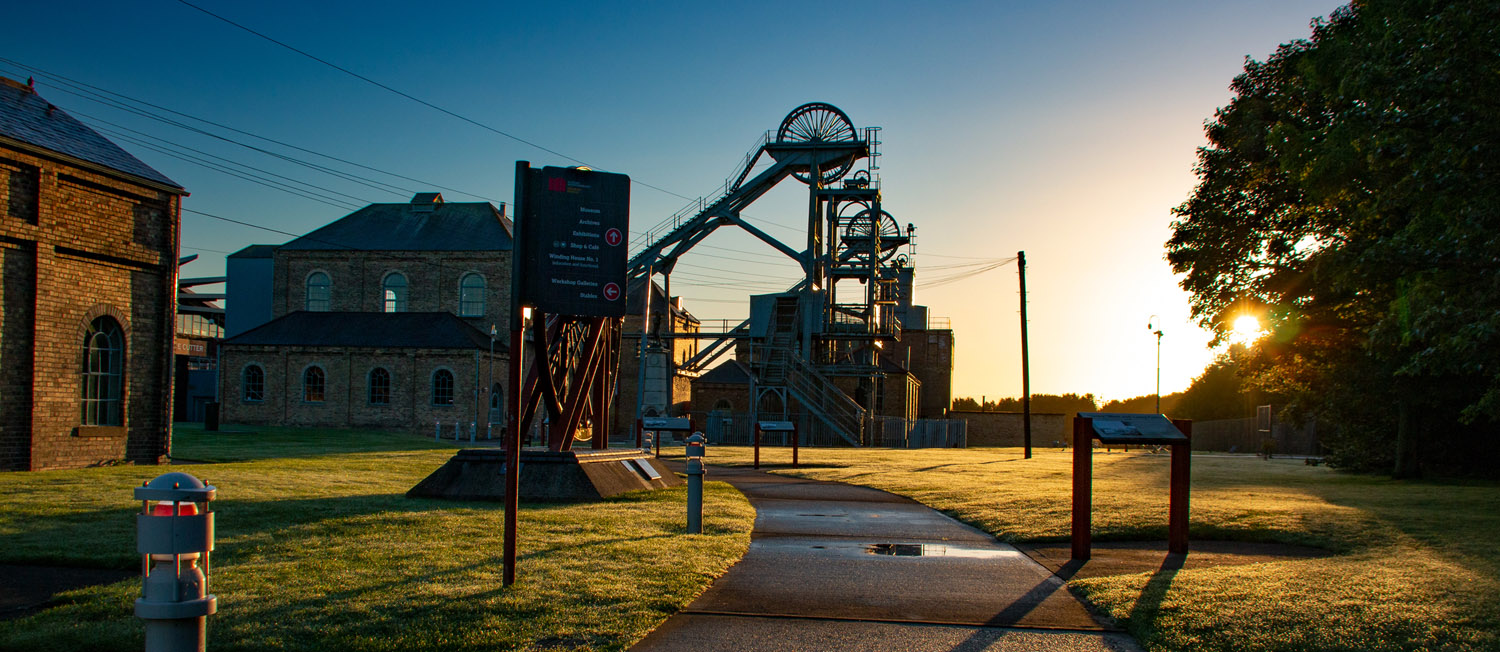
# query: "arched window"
{"type": "Point", "coordinates": [442, 387]}
{"type": "Point", "coordinates": [723, 405]}
{"type": "Point", "coordinates": [395, 292]}
{"type": "Point", "coordinates": [319, 292]}
{"type": "Point", "coordinates": [103, 373]}
{"type": "Point", "coordinates": [380, 386]}
{"type": "Point", "coordinates": [312, 385]}
{"type": "Point", "coordinates": [471, 295]}
{"type": "Point", "coordinates": [253, 384]}
{"type": "Point", "coordinates": [497, 403]}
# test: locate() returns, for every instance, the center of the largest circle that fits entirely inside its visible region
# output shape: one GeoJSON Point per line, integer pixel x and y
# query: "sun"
{"type": "Point", "coordinates": [1246, 329]}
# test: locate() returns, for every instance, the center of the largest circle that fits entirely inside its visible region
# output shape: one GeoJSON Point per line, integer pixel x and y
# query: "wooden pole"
{"type": "Point", "coordinates": [1177, 507]}
{"type": "Point", "coordinates": [1083, 487]}
{"type": "Point", "coordinates": [1025, 362]}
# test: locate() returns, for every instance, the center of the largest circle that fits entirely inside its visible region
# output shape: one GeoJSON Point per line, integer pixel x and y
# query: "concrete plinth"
{"type": "Point", "coordinates": [479, 474]}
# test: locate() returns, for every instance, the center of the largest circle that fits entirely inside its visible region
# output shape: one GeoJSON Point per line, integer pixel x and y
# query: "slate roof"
{"type": "Point", "coordinates": [439, 226]}
{"type": "Point", "coordinates": [26, 117]}
{"type": "Point", "coordinates": [368, 330]}
{"type": "Point", "coordinates": [254, 251]}
{"type": "Point", "coordinates": [731, 372]}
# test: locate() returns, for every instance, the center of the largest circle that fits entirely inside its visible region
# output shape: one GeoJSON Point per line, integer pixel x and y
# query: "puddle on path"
{"type": "Point", "coordinates": [935, 550]}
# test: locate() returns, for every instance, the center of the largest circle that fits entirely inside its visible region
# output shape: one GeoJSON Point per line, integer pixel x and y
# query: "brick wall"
{"type": "Point", "coordinates": [1007, 428]}
{"type": "Point", "coordinates": [931, 355]}
{"type": "Point", "coordinates": [432, 280]}
{"type": "Point", "coordinates": [78, 244]}
{"type": "Point", "coordinates": [346, 401]}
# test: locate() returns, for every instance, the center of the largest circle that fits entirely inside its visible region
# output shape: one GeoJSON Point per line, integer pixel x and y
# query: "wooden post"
{"type": "Point", "coordinates": [1177, 508]}
{"type": "Point", "coordinates": [795, 437]}
{"type": "Point", "coordinates": [1083, 487]}
{"type": "Point", "coordinates": [757, 445]}
{"type": "Point", "coordinates": [638, 434]}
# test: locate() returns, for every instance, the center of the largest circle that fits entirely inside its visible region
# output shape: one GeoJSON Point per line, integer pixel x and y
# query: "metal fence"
{"type": "Point", "coordinates": [736, 429]}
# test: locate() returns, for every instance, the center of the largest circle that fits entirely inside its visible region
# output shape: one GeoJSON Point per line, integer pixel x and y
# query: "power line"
{"type": "Point", "coordinates": [416, 99]}
{"type": "Point", "coordinates": [85, 90]}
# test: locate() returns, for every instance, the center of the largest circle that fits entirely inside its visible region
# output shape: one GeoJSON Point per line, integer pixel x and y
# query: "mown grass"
{"type": "Point", "coordinates": [323, 551]}
{"type": "Point", "coordinates": [1418, 563]}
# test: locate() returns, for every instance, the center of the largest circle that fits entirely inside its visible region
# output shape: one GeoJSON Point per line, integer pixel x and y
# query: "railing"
{"type": "Point", "coordinates": [697, 206]}
{"type": "Point", "coordinates": [939, 323]}
{"type": "Point", "coordinates": [819, 393]}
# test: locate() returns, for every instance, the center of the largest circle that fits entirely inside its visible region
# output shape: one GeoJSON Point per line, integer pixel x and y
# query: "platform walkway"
{"type": "Point", "coordinates": [836, 567]}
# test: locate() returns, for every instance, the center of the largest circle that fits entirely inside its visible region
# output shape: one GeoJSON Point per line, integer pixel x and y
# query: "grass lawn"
{"type": "Point", "coordinates": [1418, 563]}
{"type": "Point", "coordinates": [318, 549]}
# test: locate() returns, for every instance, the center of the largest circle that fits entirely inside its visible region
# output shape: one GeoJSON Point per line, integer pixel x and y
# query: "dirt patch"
{"type": "Point", "coordinates": [25, 590]}
{"type": "Point", "coordinates": [1128, 557]}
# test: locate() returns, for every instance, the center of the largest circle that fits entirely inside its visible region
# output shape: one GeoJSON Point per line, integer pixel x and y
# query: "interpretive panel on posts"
{"type": "Point", "coordinates": [1125, 428]}
{"type": "Point", "coordinates": [777, 426]}
{"type": "Point", "coordinates": [667, 423]}
{"type": "Point", "coordinates": [575, 248]}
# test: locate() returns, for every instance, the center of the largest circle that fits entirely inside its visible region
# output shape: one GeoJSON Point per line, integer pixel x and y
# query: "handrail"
{"type": "Point", "coordinates": [697, 206]}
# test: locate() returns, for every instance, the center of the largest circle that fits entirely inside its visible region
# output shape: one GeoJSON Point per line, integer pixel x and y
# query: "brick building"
{"type": "Point", "coordinates": [88, 286]}
{"type": "Point", "coordinates": [379, 319]}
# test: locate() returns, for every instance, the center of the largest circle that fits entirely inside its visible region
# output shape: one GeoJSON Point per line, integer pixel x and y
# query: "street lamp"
{"type": "Point", "coordinates": [1153, 326]}
{"type": "Point", "coordinates": [490, 418]}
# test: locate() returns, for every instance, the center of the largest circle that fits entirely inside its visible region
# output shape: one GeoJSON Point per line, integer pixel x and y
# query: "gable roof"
{"type": "Point", "coordinates": [27, 118]}
{"type": "Point", "coordinates": [414, 226]}
{"type": "Point", "coordinates": [370, 330]}
{"type": "Point", "coordinates": [254, 251]}
{"type": "Point", "coordinates": [732, 372]}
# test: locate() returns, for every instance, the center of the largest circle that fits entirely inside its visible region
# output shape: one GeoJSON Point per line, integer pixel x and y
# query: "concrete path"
{"type": "Point", "coordinates": [837, 567]}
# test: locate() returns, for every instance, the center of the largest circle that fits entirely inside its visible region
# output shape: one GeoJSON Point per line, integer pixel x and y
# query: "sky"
{"type": "Point", "coordinates": [1067, 130]}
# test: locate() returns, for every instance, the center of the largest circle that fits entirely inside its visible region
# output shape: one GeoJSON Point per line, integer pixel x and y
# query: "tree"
{"type": "Point", "coordinates": [1349, 194]}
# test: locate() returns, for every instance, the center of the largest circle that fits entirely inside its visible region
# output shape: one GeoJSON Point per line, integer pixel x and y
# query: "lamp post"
{"type": "Point", "coordinates": [490, 418]}
{"type": "Point", "coordinates": [1151, 325]}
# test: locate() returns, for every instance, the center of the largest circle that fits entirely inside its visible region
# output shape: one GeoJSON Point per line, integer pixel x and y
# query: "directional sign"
{"type": "Point", "coordinates": [574, 250]}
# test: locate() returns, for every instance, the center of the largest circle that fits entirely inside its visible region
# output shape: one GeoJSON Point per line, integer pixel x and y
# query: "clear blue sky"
{"type": "Point", "coordinates": [1065, 129]}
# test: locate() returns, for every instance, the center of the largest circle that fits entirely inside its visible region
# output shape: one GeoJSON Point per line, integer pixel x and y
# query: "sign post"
{"type": "Point", "coordinates": [776, 426]}
{"type": "Point", "coordinates": [1118, 428]}
{"type": "Point", "coordinates": [568, 261]}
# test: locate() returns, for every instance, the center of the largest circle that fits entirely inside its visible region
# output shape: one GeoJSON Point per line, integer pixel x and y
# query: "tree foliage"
{"type": "Point", "coordinates": [1069, 404]}
{"type": "Point", "coordinates": [1348, 194]}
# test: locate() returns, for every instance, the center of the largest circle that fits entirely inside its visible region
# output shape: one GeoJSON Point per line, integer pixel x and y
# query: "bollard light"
{"type": "Point", "coordinates": [173, 531]}
{"type": "Point", "coordinates": [695, 450]}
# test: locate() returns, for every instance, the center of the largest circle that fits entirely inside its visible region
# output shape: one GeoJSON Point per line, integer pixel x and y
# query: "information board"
{"type": "Point", "coordinates": [667, 423]}
{"type": "Point", "coordinates": [777, 426]}
{"type": "Point", "coordinates": [1129, 428]}
{"type": "Point", "coordinates": [574, 252]}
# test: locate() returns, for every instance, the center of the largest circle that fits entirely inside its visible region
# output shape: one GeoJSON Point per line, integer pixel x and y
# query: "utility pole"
{"type": "Point", "coordinates": [1025, 361]}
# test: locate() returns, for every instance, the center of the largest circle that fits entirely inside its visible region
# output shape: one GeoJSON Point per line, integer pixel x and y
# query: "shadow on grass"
{"type": "Point", "coordinates": [110, 533]}
{"type": "Point", "coordinates": [1148, 603]}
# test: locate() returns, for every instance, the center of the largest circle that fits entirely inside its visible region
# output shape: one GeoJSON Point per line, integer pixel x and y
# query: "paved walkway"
{"type": "Point", "coordinates": [837, 567]}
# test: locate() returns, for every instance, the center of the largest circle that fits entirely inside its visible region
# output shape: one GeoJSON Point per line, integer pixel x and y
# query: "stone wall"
{"type": "Point", "coordinates": [1048, 429]}
{"type": "Point", "coordinates": [357, 279]}
{"type": "Point", "coordinates": [346, 402]}
{"type": "Point", "coordinates": [78, 243]}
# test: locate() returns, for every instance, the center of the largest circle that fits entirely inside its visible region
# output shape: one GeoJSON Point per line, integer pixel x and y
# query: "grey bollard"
{"type": "Point", "coordinates": [695, 472]}
{"type": "Point", "coordinates": [171, 537]}
{"type": "Point", "coordinates": [437, 433]}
